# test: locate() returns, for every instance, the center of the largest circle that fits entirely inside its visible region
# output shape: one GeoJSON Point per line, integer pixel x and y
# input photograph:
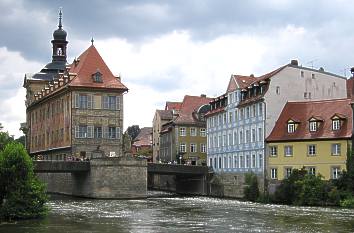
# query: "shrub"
{"type": "Point", "coordinates": [21, 194]}
{"type": "Point", "coordinates": [251, 191]}
{"type": "Point", "coordinates": [347, 203]}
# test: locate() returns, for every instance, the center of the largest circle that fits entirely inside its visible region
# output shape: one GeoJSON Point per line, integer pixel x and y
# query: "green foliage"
{"type": "Point", "coordinates": [5, 139]}
{"type": "Point", "coordinates": [21, 194]}
{"type": "Point", "coordinates": [133, 131]}
{"type": "Point", "coordinates": [145, 152]}
{"type": "Point", "coordinates": [348, 202]}
{"type": "Point", "coordinates": [251, 190]}
{"type": "Point", "coordinates": [305, 189]}
{"type": "Point", "coordinates": [21, 139]}
{"type": "Point", "coordinates": [289, 188]}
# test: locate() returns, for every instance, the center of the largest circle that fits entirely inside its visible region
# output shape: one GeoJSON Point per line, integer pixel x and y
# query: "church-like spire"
{"type": "Point", "coordinates": [60, 17]}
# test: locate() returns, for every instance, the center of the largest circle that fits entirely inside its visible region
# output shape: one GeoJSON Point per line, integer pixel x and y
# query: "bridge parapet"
{"type": "Point", "coordinates": [177, 169]}
{"type": "Point", "coordinates": [61, 166]}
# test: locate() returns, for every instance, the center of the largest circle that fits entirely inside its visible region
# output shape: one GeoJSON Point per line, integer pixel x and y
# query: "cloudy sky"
{"type": "Point", "coordinates": [167, 49]}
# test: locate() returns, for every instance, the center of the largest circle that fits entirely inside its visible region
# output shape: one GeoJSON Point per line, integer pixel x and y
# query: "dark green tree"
{"type": "Point", "coordinates": [133, 131]}
{"type": "Point", "coordinates": [251, 190]}
{"type": "Point", "coordinates": [22, 195]}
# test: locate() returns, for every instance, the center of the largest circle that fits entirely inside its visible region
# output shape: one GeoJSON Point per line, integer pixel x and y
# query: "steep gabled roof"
{"type": "Point", "coordinates": [144, 137]}
{"type": "Point", "coordinates": [190, 105]}
{"type": "Point", "coordinates": [173, 105]}
{"type": "Point", "coordinates": [165, 114]}
{"type": "Point", "coordinates": [303, 111]}
{"type": "Point", "coordinates": [88, 63]}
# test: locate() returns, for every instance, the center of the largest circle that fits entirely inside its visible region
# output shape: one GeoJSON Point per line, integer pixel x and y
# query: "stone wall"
{"type": "Point", "coordinates": [230, 185]}
{"type": "Point", "coordinates": [116, 178]}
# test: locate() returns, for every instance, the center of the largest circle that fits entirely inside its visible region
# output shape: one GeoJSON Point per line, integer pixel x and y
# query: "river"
{"type": "Point", "coordinates": [181, 214]}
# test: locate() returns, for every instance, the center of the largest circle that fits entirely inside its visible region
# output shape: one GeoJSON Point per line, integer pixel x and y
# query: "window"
{"type": "Point", "coordinates": [98, 132]}
{"type": "Point", "coordinates": [260, 135]}
{"type": "Point", "coordinates": [274, 173]}
{"type": "Point", "coordinates": [277, 90]}
{"type": "Point", "coordinates": [288, 171]}
{"type": "Point", "coordinates": [335, 124]}
{"type": "Point", "coordinates": [311, 150]}
{"type": "Point", "coordinates": [313, 126]}
{"type": "Point", "coordinates": [336, 149]}
{"type": "Point", "coordinates": [260, 161]}
{"type": "Point", "coordinates": [230, 117]}
{"type": "Point", "coordinates": [273, 151]}
{"type": "Point", "coordinates": [291, 127]}
{"type": "Point", "coordinates": [247, 161]}
{"type": "Point", "coordinates": [235, 162]}
{"type": "Point", "coordinates": [202, 148]}
{"type": "Point", "coordinates": [80, 131]}
{"type": "Point", "coordinates": [220, 163]}
{"type": "Point", "coordinates": [97, 77]}
{"type": "Point", "coordinates": [305, 95]}
{"type": "Point", "coordinates": [241, 137]}
{"type": "Point", "coordinates": [82, 101]}
{"type": "Point", "coordinates": [248, 112]}
{"type": "Point", "coordinates": [335, 172]}
{"type": "Point", "coordinates": [302, 74]}
{"type": "Point", "coordinates": [193, 131]}
{"type": "Point", "coordinates": [224, 140]}
{"type": "Point", "coordinates": [230, 139]}
{"type": "Point", "coordinates": [288, 150]}
{"type": "Point", "coordinates": [202, 132]}
{"type": "Point", "coordinates": [311, 170]}
{"type": "Point", "coordinates": [112, 132]}
{"type": "Point", "coordinates": [193, 148]}
{"type": "Point", "coordinates": [242, 161]}
{"type": "Point", "coordinates": [254, 135]}
{"type": "Point", "coordinates": [182, 131]}
{"type": "Point", "coordinates": [111, 102]}
{"type": "Point", "coordinates": [182, 147]}
{"type": "Point", "coordinates": [248, 136]}
{"type": "Point", "coordinates": [253, 165]}
{"type": "Point", "coordinates": [260, 109]}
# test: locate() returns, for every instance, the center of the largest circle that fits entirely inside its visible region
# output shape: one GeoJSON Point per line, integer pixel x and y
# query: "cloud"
{"type": "Point", "coordinates": [12, 95]}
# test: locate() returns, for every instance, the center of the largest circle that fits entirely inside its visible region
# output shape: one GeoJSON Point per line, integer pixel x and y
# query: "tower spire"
{"type": "Point", "coordinates": [60, 17]}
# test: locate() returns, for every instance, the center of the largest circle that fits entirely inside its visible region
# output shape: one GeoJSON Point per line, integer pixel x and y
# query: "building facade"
{"type": "Point", "coordinates": [78, 112]}
{"type": "Point", "coordinates": [236, 134]}
{"type": "Point", "coordinates": [183, 139]}
{"type": "Point", "coordinates": [313, 135]}
{"type": "Point", "coordinates": [160, 118]}
{"type": "Point", "coordinates": [142, 144]}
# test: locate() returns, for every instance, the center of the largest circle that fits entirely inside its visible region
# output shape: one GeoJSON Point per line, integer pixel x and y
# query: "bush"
{"type": "Point", "coordinates": [251, 191]}
{"type": "Point", "coordinates": [21, 194]}
{"type": "Point", "coordinates": [347, 203]}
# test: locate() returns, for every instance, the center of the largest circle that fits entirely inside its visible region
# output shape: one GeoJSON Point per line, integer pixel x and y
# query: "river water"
{"type": "Point", "coordinates": [181, 214]}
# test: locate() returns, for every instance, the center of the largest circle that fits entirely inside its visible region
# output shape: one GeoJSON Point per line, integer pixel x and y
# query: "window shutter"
{"type": "Point", "coordinates": [105, 132]}
{"type": "Point", "coordinates": [117, 102]}
{"type": "Point", "coordinates": [76, 131]}
{"type": "Point", "coordinates": [90, 131]}
{"type": "Point", "coordinates": [117, 132]}
{"type": "Point", "coordinates": [76, 101]}
{"type": "Point", "coordinates": [89, 101]}
{"type": "Point", "coordinates": [105, 102]}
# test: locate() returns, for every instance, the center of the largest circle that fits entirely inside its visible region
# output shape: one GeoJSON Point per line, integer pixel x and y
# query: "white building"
{"type": "Point", "coordinates": [244, 116]}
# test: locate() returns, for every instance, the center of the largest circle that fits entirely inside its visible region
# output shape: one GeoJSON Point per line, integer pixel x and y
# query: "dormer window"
{"type": "Point", "coordinates": [313, 126]}
{"type": "Point", "coordinates": [97, 77]}
{"type": "Point", "coordinates": [335, 124]}
{"type": "Point", "coordinates": [292, 126]}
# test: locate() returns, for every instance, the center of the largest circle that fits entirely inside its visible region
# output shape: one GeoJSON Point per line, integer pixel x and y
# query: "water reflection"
{"type": "Point", "coordinates": [182, 214]}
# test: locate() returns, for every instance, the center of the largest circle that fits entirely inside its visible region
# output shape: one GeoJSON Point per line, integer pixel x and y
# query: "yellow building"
{"type": "Point", "coordinates": [312, 135]}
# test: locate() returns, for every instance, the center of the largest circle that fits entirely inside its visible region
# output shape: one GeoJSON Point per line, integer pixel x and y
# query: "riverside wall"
{"type": "Point", "coordinates": [108, 178]}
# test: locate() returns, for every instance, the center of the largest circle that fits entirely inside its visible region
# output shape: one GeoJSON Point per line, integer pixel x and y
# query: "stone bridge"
{"type": "Point", "coordinates": [109, 177]}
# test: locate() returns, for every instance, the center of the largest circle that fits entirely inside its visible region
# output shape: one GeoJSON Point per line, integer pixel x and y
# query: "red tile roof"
{"type": "Point", "coordinates": [144, 137]}
{"type": "Point", "coordinates": [165, 114]}
{"type": "Point", "coordinates": [173, 105]}
{"type": "Point", "coordinates": [303, 111]}
{"type": "Point", "coordinates": [190, 105]}
{"type": "Point", "coordinates": [89, 62]}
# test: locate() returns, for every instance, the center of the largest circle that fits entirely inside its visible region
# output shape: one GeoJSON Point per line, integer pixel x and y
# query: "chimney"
{"type": "Point", "coordinates": [252, 75]}
{"type": "Point", "coordinates": [203, 95]}
{"type": "Point", "coordinates": [321, 69]}
{"type": "Point", "coordinates": [294, 62]}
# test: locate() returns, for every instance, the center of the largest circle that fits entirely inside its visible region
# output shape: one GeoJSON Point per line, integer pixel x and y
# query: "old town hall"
{"type": "Point", "coordinates": [74, 110]}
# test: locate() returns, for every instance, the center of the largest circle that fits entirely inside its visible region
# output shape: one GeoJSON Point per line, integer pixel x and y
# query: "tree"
{"type": "Point", "coordinates": [21, 139]}
{"type": "Point", "coordinates": [5, 138]}
{"type": "Point", "coordinates": [22, 195]}
{"type": "Point", "coordinates": [251, 191]}
{"type": "Point", "coordinates": [133, 131]}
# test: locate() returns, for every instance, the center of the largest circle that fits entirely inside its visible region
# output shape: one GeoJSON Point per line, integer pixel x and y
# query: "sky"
{"type": "Point", "coordinates": [164, 50]}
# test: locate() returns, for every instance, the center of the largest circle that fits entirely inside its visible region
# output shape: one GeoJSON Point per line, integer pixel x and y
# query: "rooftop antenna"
{"type": "Point", "coordinates": [311, 62]}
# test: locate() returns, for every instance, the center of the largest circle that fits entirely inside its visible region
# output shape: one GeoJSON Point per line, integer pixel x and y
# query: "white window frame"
{"type": "Point", "coordinates": [193, 132]}
{"type": "Point", "coordinates": [311, 150]}
{"type": "Point", "coordinates": [182, 131]}
{"type": "Point", "coordinates": [291, 127]}
{"type": "Point", "coordinates": [335, 124]}
{"type": "Point", "coordinates": [203, 132]}
{"type": "Point", "coordinates": [182, 147]}
{"type": "Point", "coordinates": [273, 151]}
{"type": "Point", "coordinates": [274, 173]}
{"type": "Point", "coordinates": [335, 172]}
{"type": "Point", "coordinates": [336, 149]}
{"type": "Point", "coordinates": [202, 148]}
{"type": "Point", "coordinates": [313, 126]}
{"type": "Point", "coordinates": [288, 151]}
